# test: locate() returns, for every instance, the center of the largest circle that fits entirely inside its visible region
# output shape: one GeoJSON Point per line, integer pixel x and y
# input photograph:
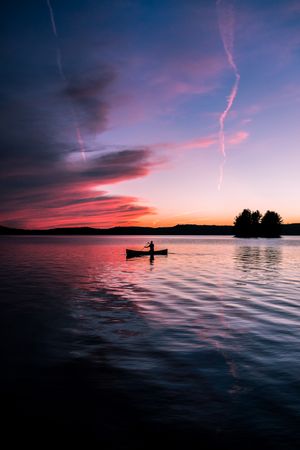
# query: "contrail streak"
{"type": "Point", "coordinates": [226, 27]}
{"type": "Point", "coordinates": [80, 142]}
{"type": "Point", "coordinates": [64, 78]}
{"type": "Point", "coordinates": [52, 18]}
{"type": "Point", "coordinates": [59, 65]}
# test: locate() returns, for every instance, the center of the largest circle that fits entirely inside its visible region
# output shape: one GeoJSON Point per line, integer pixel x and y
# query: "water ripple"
{"type": "Point", "coordinates": [209, 334]}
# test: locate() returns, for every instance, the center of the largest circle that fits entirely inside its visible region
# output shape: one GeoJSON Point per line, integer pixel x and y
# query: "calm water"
{"type": "Point", "coordinates": [200, 347]}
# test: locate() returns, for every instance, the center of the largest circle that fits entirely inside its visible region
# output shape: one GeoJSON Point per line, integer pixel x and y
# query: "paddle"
{"type": "Point", "coordinates": [145, 246]}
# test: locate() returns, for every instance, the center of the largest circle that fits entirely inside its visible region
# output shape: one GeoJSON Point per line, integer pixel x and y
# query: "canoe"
{"type": "Point", "coordinates": [132, 253]}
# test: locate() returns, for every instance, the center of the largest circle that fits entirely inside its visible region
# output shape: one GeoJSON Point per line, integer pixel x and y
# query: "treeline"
{"type": "Point", "coordinates": [184, 229]}
{"type": "Point", "coordinates": [254, 224]}
{"type": "Point", "coordinates": [292, 229]}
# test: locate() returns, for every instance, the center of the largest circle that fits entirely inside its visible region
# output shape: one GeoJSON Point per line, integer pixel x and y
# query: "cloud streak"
{"type": "Point", "coordinates": [202, 143]}
{"type": "Point", "coordinates": [226, 27]}
{"type": "Point", "coordinates": [78, 209]}
{"type": "Point", "coordinates": [44, 197]}
{"type": "Point", "coordinates": [52, 18]}
{"type": "Point", "coordinates": [64, 79]}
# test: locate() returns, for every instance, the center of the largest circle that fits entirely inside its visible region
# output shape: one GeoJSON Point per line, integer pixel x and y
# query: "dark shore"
{"type": "Point", "coordinates": [292, 229]}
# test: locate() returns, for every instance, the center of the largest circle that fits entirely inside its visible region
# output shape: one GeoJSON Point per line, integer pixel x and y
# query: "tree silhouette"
{"type": "Point", "coordinates": [271, 224]}
{"type": "Point", "coordinates": [242, 224]}
{"type": "Point", "coordinates": [252, 224]}
{"type": "Point", "coordinates": [255, 223]}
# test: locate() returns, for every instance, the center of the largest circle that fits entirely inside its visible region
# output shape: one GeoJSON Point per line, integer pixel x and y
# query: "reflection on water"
{"type": "Point", "coordinates": [249, 258]}
{"type": "Point", "coordinates": [258, 261]}
{"type": "Point", "coordinates": [200, 346]}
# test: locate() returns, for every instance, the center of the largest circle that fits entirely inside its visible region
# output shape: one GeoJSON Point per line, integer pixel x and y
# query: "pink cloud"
{"type": "Point", "coordinates": [202, 143]}
{"type": "Point", "coordinates": [198, 143]}
{"type": "Point", "coordinates": [66, 196]}
{"type": "Point", "coordinates": [78, 209]}
{"type": "Point", "coordinates": [237, 138]}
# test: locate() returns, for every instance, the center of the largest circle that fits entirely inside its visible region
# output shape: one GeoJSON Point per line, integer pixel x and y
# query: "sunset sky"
{"type": "Point", "coordinates": [113, 112]}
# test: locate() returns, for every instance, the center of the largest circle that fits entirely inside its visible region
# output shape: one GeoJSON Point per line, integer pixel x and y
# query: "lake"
{"type": "Point", "coordinates": [200, 348]}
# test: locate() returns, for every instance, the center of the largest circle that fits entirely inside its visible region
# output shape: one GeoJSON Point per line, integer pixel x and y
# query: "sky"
{"type": "Point", "coordinates": [154, 112]}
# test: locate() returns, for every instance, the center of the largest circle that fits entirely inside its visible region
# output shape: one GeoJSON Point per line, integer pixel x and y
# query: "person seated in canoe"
{"type": "Point", "coordinates": [150, 245]}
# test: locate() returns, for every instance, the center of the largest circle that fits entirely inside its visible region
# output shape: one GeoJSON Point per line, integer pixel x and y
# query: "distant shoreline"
{"type": "Point", "coordinates": [177, 230]}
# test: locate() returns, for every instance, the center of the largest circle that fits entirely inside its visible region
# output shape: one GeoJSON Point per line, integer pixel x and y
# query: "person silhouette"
{"type": "Point", "coordinates": [150, 246]}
